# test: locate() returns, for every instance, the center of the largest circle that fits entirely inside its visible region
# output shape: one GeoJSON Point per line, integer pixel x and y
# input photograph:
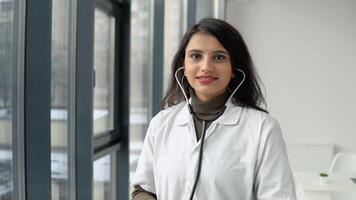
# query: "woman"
{"type": "Point", "coordinates": [213, 141]}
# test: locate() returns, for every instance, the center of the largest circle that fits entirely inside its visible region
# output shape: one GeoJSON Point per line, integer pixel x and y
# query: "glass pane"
{"type": "Point", "coordinates": [172, 34]}
{"type": "Point", "coordinates": [103, 182]}
{"type": "Point", "coordinates": [204, 9]}
{"type": "Point", "coordinates": [139, 78]}
{"type": "Point", "coordinates": [7, 65]}
{"type": "Point", "coordinates": [59, 99]}
{"type": "Point", "coordinates": [104, 49]}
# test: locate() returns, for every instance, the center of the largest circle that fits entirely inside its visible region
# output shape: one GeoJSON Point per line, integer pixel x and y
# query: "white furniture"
{"type": "Point", "coordinates": [313, 189]}
{"type": "Point", "coordinates": [343, 163]}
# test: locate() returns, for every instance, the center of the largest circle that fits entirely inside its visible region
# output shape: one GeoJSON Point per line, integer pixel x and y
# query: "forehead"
{"type": "Point", "coordinates": [204, 42]}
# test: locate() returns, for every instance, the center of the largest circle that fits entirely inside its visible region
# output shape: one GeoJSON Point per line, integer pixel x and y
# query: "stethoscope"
{"type": "Point", "coordinates": [204, 122]}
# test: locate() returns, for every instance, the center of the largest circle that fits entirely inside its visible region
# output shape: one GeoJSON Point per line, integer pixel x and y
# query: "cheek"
{"type": "Point", "coordinates": [189, 69]}
{"type": "Point", "coordinates": [226, 77]}
{"type": "Point", "coordinates": [189, 73]}
{"type": "Point", "coordinates": [226, 73]}
{"type": "Point", "coordinates": [186, 61]}
{"type": "Point", "coordinates": [186, 67]}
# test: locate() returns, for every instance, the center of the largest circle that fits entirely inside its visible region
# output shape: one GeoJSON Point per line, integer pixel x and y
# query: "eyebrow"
{"type": "Point", "coordinates": [199, 51]}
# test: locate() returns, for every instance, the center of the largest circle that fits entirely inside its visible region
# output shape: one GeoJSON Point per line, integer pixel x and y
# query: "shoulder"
{"type": "Point", "coordinates": [258, 118]}
{"type": "Point", "coordinates": [263, 126]}
{"type": "Point", "coordinates": [257, 115]}
{"type": "Point", "coordinates": [167, 115]}
{"type": "Point", "coordinates": [165, 121]}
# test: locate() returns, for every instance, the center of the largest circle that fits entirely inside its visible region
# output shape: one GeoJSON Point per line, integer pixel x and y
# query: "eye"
{"type": "Point", "coordinates": [219, 57]}
{"type": "Point", "coordinates": [195, 56]}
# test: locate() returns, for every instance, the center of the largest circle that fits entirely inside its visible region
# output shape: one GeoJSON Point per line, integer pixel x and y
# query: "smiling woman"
{"type": "Point", "coordinates": [207, 66]}
{"type": "Point", "coordinates": [244, 156]}
{"type": "Point", "coordinates": [229, 43]}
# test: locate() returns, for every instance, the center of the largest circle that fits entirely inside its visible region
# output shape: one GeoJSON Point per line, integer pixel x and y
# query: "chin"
{"type": "Point", "coordinates": [207, 95]}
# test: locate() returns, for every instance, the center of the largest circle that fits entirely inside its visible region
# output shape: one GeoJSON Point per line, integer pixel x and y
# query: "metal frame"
{"type": "Point", "coordinates": [220, 9]}
{"type": "Point", "coordinates": [71, 138]}
{"type": "Point", "coordinates": [189, 14]}
{"type": "Point", "coordinates": [84, 102]}
{"type": "Point", "coordinates": [113, 173]}
{"type": "Point", "coordinates": [18, 96]}
{"type": "Point", "coordinates": [32, 139]}
{"type": "Point", "coordinates": [156, 58]}
{"type": "Point", "coordinates": [38, 104]}
{"type": "Point", "coordinates": [109, 139]}
{"type": "Point", "coordinates": [116, 142]}
{"type": "Point", "coordinates": [122, 155]}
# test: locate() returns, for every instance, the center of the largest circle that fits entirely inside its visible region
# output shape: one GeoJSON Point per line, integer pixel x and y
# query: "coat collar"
{"type": "Point", "coordinates": [231, 115]}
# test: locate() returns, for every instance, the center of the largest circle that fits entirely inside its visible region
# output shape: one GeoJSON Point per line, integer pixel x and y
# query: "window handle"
{"type": "Point", "coordinates": [94, 78]}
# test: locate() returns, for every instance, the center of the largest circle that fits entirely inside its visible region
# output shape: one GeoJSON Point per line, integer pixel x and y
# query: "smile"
{"type": "Point", "coordinates": [206, 79]}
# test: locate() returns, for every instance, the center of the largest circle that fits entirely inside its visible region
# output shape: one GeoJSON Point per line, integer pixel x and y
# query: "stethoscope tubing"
{"type": "Point", "coordinates": [201, 150]}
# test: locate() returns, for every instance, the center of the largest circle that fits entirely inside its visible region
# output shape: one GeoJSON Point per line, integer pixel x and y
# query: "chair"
{"type": "Point", "coordinates": [343, 162]}
{"type": "Point", "coordinates": [346, 163]}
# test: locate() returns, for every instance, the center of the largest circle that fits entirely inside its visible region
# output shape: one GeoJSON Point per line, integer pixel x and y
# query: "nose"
{"type": "Point", "coordinates": [206, 65]}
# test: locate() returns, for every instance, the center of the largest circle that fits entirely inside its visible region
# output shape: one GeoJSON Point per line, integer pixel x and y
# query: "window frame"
{"type": "Point", "coordinates": [115, 142]}
{"type": "Point", "coordinates": [83, 103]}
{"type": "Point", "coordinates": [110, 140]}
{"type": "Point", "coordinates": [37, 72]}
{"type": "Point", "coordinates": [32, 102]}
{"type": "Point", "coordinates": [19, 189]}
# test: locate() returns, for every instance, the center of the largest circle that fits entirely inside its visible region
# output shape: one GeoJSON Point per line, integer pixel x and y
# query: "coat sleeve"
{"type": "Point", "coordinates": [273, 177]}
{"type": "Point", "coordinates": [140, 194]}
{"type": "Point", "coordinates": [144, 175]}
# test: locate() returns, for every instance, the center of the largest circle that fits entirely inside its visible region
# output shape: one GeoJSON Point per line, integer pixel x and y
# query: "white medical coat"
{"type": "Point", "coordinates": [244, 157]}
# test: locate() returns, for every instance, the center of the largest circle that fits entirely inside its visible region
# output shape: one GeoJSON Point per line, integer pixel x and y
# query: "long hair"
{"type": "Point", "coordinates": [249, 94]}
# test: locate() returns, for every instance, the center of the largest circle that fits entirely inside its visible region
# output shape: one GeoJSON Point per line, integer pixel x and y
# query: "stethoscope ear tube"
{"type": "Point", "coordinates": [238, 86]}
{"type": "Point", "coordinates": [180, 85]}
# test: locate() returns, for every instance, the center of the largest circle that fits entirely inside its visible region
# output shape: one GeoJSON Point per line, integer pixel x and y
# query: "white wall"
{"type": "Point", "coordinates": [305, 52]}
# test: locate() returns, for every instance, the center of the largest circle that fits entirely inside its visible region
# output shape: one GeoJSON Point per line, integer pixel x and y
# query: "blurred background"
{"type": "Point", "coordinates": [80, 81]}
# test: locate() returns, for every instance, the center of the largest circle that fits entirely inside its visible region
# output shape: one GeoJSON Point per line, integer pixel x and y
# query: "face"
{"type": "Point", "coordinates": [207, 66]}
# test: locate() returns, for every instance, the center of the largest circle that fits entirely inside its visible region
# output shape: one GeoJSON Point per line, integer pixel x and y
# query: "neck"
{"type": "Point", "coordinates": [206, 107]}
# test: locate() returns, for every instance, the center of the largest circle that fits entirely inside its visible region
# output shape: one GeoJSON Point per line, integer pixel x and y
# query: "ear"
{"type": "Point", "coordinates": [184, 70]}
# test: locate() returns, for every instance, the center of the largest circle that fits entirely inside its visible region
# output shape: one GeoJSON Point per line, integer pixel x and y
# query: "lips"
{"type": "Point", "coordinates": [206, 79]}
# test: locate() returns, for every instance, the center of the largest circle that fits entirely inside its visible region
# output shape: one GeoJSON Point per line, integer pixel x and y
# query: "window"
{"type": "Point", "coordinates": [204, 9]}
{"type": "Point", "coordinates": [108, 99]}
{"type": "Point", "coordinates": [55, 110]}
{"type": "Point", "coordinates": [140, 78]}
{"type": "Point", "coordinates": [104, 66]}
{"type": "Point", "coordinates": [172, 35]}
{"type": "Point", "coordinates": [61, 88]}
{"type": "Point", "coordinates": [8, 78]}
{"type": "Point", "coordinates": [104, 178]}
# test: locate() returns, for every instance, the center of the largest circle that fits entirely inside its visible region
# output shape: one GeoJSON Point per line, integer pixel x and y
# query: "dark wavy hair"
{"type": "Point", "coordinates": [249, 94]}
